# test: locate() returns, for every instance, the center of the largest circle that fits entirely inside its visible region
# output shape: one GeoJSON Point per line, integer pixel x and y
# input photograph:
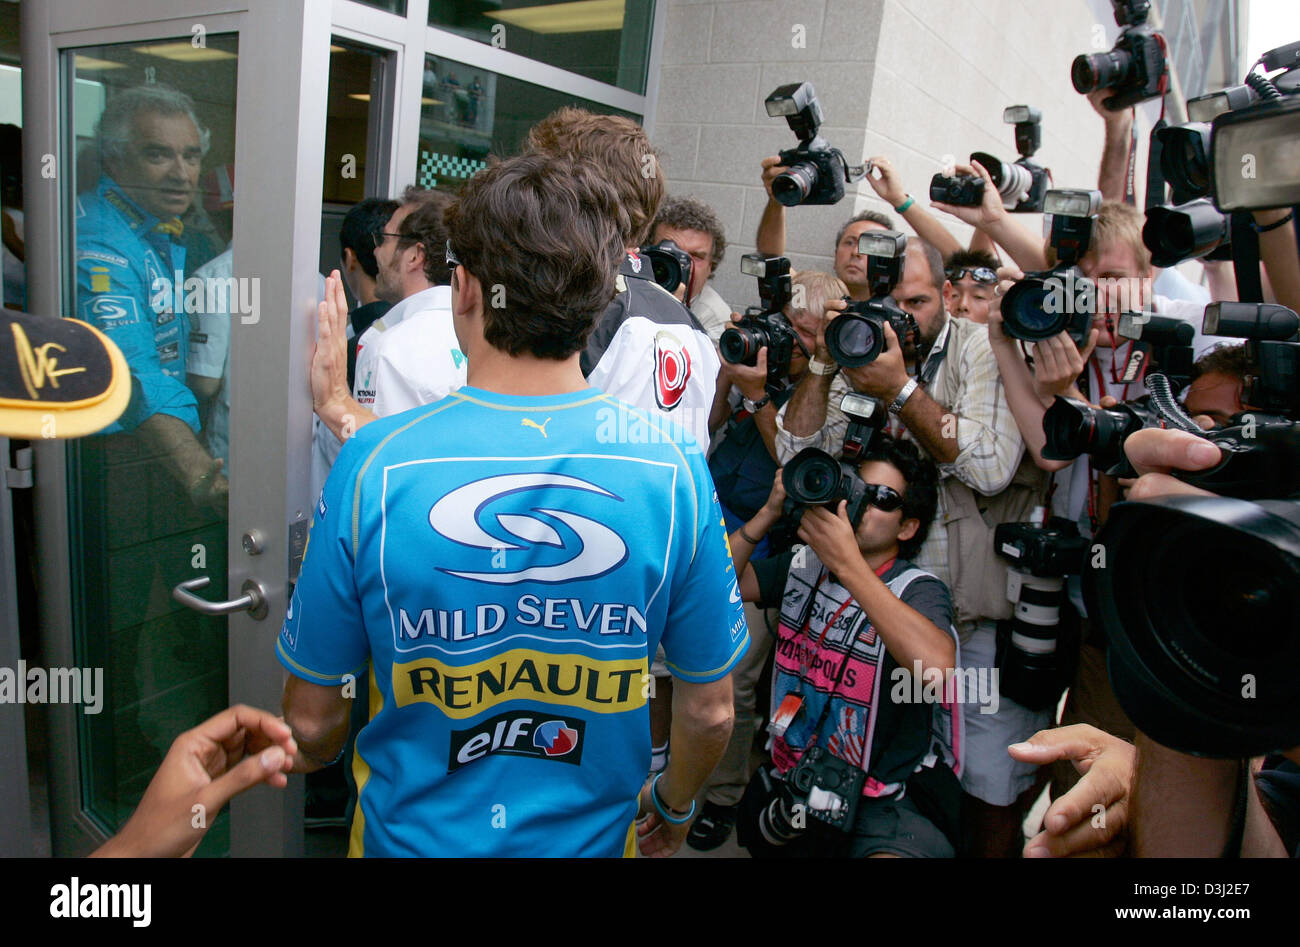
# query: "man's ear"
{"type": "Point", "coordinates": [949, 295]}
{"type": "Point", "coordinates": [907, 529]}
{"type": "Point", "coordinates": [348, 258]}
{"type": "Point", "coordinates": [467, 293]}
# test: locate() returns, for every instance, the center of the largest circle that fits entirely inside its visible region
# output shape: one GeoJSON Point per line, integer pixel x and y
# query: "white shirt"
{"type": "Point", "coordinates": [712, 311]}
{"type": "Point", "coordinates": [410, 356]}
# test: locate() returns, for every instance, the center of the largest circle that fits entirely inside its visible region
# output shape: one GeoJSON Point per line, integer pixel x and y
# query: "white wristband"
{"type": "Point", "coordinates": [822, 368]}
{"type": "Point", "coordinates": [897, 405]}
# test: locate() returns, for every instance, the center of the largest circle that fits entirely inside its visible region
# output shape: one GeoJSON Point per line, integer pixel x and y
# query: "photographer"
{"type": "Point", "coordinates": [955, 409]}
{"type": "Point", "coordinates": [695, 228]}
{"type": "Point", "coordinates": [743, 465]}
{"type": "Point", "coordinates": [972, 282]}
{"type": "Point", "coordinates": [856, 617]}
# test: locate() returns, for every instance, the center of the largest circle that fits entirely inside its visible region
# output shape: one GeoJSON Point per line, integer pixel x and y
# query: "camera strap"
{"type": "Point", "coordinates": [932, 362]}
{"type": "Point", "coordinates": [1245, 259]}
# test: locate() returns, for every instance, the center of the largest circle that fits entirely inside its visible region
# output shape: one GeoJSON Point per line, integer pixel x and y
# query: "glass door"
{"type": "Point", "coordinates": [184, 222]}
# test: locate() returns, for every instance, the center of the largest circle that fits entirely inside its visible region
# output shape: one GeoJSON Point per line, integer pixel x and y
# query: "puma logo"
{"type": "Point", "coordinates": [529, 422]}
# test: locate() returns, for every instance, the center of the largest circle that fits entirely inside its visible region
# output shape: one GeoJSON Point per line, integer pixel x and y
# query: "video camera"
{"type": "Point", "coordinates": [1198, 596]}
{"type": "Point", "coordinates": [857, 335]}
{"type": "Point", "coordinates": [1192, 223]}
{"type": "Point", "coordinates": [817, 172]}
{"type": "Point", "coordinates": [815, 478]}
{"type": "Point", "coordinates": [764, 325]}
{"type": "Point", "coordinates": [1135, 69]}
{"type": "Point", "coordinates": [1061, 299]}
{"type": "Point", "coordinates": [1022, 184]}
{"type": "Point", "coordinates": [671, 266]}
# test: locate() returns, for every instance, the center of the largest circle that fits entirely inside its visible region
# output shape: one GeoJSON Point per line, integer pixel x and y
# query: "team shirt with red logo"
{"type": "Point", "coordinates": [649, 350]}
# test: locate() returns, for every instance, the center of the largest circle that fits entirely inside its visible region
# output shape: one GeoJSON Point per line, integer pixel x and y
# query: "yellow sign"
{"type": "Point", "coordinates": [572, 680]}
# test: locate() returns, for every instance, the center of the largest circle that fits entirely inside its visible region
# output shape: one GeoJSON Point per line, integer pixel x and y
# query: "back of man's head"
{"type": "Point", "coordinates": [620, 149]}
{"type": "Point", "coordinates": [360, 225]}
{"type": "Point", "coordinates": [425, 225]}
{"type": "Point", "coordinates": [548, 231]}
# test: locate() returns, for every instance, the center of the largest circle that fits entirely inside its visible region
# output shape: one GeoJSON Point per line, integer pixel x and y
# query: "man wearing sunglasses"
{"type": "Point", "coordinates": [972, 280]}
{"type": "Point", "coordinates": [858, 622]}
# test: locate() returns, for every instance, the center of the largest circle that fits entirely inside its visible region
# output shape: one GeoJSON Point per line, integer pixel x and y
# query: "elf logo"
{"type": "Point", "coordinates": [518, 733]}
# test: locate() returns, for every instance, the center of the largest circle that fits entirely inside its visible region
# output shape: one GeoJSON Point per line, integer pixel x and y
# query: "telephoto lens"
{"type": "Point", "coordinates": [1100, 70]}
{"type": "Point", "coordinates": [812, 478]}
{"type": "Point", "coordinates": [855, 337]}
{"type": "Point", "coordinates": [794, 186]}
{"type": "Point", "coordinates": [740, 344]}
{"type": "Point", "coordinates": [1194, 229]}
{"type": "Point", "coordinates": [1074, 428]}
{"type": "Point", "coordinates": [1012, 180]}
{"type": "Point", "coordinates": [1199, 600]}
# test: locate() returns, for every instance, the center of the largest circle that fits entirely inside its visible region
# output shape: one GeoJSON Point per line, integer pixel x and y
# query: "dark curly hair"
{"type": "Point", "coordinates": [543, 235]}
{"type": "Point", "coordinates": [690, 213]}
{"type": "Point", "coordinates": [921, 498]}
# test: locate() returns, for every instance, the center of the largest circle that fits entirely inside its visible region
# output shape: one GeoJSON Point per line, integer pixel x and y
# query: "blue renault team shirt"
{"type": "Point", "coordinates": [126, 269]}
{"type": "Point", "coordinates": [504, 568]}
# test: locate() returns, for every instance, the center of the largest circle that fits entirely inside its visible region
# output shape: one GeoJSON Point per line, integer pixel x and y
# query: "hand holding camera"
{"type": "Point", "coordinates": [832, 537]}
{"type": "Point", "coordinates": [1058, 362]}
{"type": "Point", "coordinates": [988, 212]}
{"type": "Point", "coordinates": [750, 379]}
{"type": "Point", "coordinates": [884, 377]}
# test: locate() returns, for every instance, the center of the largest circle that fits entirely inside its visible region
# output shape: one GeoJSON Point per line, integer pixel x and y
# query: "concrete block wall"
{"type": "Point", "coordinates": [914, 80]}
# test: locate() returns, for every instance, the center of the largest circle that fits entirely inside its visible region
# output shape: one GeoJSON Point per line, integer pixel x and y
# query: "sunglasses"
{"type": "Point", "coordinates": [980, 274]}
{"type": "Point", "coordinates": [882, 497]}
{"type": "Point", "coordinates": [451, 257]}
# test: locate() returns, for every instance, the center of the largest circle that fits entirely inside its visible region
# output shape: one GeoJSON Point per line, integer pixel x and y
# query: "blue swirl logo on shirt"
{"type": "Point", "coordinates": [465, 516]}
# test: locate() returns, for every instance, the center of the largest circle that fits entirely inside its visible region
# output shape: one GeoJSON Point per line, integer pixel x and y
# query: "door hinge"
{"type": "Point", "coordinates": [19, 477]}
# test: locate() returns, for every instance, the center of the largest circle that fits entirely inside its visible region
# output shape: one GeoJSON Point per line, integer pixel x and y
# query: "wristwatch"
{"type": "Point", "coordinates": [821, 368]}
{"type": "Point", "coordinates": [753, 407]}
{"type": "Point", "coordinates": [897, 404]}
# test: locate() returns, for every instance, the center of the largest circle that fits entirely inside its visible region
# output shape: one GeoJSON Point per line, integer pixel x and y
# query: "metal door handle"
{"type": "Point", "coordinates": [253, 600]}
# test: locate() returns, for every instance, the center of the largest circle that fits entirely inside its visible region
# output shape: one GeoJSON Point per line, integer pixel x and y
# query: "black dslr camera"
{"type": "Point", "coordinates": [1033, 667]}
{"type": "Point", "coordinates": [764, 325]}
{"type": "Point", "coordinates": [815, 478]}
{"type": "Point", "coordinates": [821, 785]}
{"type": "Point", "coordinates": [1022, 184]}
{"type": "Point", "coordinates": [1135, 68]}
{"type": "Point", "coordinates": [1061, 299]}
{"type": "Point", "coordinates": [960, 190]}
{"type": "Point", "coordinates": [857, 335]}
{"type": "Point", "coordinates": [817, 172]}
{"type": "Point", "coordinates": [671, 266]}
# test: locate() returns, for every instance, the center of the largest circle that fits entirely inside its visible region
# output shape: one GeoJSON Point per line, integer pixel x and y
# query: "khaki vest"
{"type": "Point", "coordinates": [977, 575]}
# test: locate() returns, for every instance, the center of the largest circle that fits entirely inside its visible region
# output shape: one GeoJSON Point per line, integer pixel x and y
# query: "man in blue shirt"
{"type": "Point", "coordinates": [504, 562]}
{"type": "Point", "coordinates": [131, 262]}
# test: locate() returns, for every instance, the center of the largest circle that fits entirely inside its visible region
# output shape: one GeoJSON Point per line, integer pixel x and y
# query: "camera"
{"type": "Point", "coordinates": [820, 784]}
{"type": "Point", "coordinates": [1198, 602]}
{"type": "Point", "coordinates": [1135, 69]}
{"type": "Point", "coordinates": [1168, 340]}
{"type": "Point", "coordinates": [817, 172]}
{"type": "Point", "coordinates": [814, 478]}
{"type": "Point", "coordinates": [764, 325]}
{"type": "Point", "coordinates": [1022, 184]}
{"type": "Point", "coordinates": [1031, 669]}
{"type": "Point", "coordinates": [1074, 428]}
{"type": "Point", "coordinates": [671, 266]}
{"type": "Point", "coordinates": [1061, 299]}
{"type": "Point", "coordinates": [1198, 595]}
{"type": "Point", "coordinates": [960, 190]}
{"type": "Point", "coordinates": [857, 335]}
